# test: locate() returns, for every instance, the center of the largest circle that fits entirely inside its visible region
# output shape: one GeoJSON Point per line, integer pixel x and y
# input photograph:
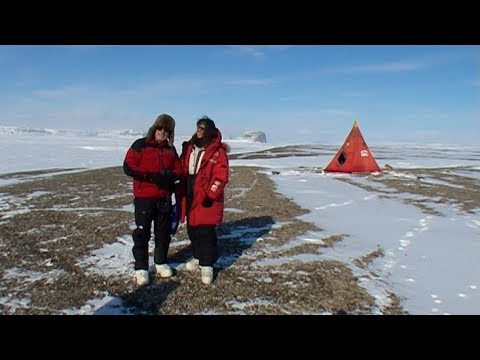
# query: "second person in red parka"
{"type": "Point", "coordinates": [204, 160]}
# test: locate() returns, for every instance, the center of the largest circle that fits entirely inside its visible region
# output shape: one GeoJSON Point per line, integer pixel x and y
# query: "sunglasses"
{"type": "Point", "coordinates": [160, 128]}
{"type": "Point", "coordinates": [201, 127]}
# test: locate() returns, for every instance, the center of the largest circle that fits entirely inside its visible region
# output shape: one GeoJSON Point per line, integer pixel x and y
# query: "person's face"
{"type": "Point", "coordinates": [200, 131]}
{"type": "Point", "coordinates": [161, 134]}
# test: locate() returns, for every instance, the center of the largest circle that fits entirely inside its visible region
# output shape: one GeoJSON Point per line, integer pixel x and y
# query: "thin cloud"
{"type": "Point", "coordinates": [82, 49]}
{"type": "Point", "coordinates": [176, 85]}
{"type": "Point", "coordinates": [252, 51]}
{"type": "Point", "coordinates": [337, 112]}
{"type": "Point", "coordinates": [277, 48]}
{"type": "Point", "coordinates": [151, 88]}
{"type": "Point", "coordinates": [371, 69]}
{"type": "Point", "coordinates": [90, 103]}
{"type": "Point", "coordinates": [56, 94]}
{"type": "Point", "coordinates": [251, 82]}
{"type": "Point", "coordinates": [257, 52]}
{"type": "Point", "coordinates": [314, 116]}
{"type": "Point", "coordinates": [3, 55]}
{"type": "Point", "coordinates": [429, 114]}
{"type": "Point", "coordinates": [355, 94]}
{"type": "Point", "coordinates": [474, 83]}
{"type": "Point", "coordinates": [391, 67]}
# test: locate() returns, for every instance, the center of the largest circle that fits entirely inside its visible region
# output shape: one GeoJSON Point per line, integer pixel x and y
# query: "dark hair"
{"type": "Point", "coordinates": [207, 122]}
{"type": "Point", "coordinates": [209, 134]}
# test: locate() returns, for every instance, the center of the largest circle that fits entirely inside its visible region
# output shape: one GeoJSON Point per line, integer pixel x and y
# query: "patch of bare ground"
{"type": "Point", "coordinates": [312, 248]}
{"type": "Point", "coordinates": [28, 174]}
{"type": "Point", "coordinates": [47, 225]}
{"type": "Point", "coordinates": [332, 239]}
{"type": "Point", "coordinates": [394, 308]}
{"type": "Point", "coordinates": [428, 186]}
{"type": "Point", "coordinates": [284, 151]}
{"type": "Point", "coordinates": [363, 261]}
{"type": "Point", "coordinates": [298, 288]}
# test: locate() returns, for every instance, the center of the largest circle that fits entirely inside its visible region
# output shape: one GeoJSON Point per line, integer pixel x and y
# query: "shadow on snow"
{"type": "Point", "coordinates": [143, 300]}
{"type": "Point", "coordinates": [233, 239]}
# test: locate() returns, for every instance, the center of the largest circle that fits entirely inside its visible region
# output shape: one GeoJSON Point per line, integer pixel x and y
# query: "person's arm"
{"type": "Point", "coordinates": [131, 163]}
{"type": "Point", "coordinates": [220, 176]}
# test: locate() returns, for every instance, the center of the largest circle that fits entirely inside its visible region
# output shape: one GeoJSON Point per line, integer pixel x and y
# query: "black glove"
{"type": "Point", "coordinates": [137, 175]}
{"type": "Point", "coordinates": [163, 178]}
{"type": "Point", "coordinates": [207, 202]}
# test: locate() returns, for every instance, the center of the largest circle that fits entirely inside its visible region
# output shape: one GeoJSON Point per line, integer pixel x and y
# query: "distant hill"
{"type": "Point", "coordinates": [254, 136]}
{"type": "Point", "coordinates": [18, 130]}
{"type": "Point", "coordinates": [129, 132]}
{"type": "Point", "coordinates": [7, 130]}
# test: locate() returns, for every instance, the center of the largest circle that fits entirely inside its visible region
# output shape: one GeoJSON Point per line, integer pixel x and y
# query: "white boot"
{"type": "Point", "coordinates": [141, 276]}
{"type": "Point", "coordinates": [164, 270]}
{"type": "Point", "coordinates": [207, 274]}
{"type": "Point", "coordinates": [192, 265]}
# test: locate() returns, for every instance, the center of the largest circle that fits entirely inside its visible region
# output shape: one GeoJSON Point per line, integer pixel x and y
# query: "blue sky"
{"type": "Point", "coordinates": [421, 93]}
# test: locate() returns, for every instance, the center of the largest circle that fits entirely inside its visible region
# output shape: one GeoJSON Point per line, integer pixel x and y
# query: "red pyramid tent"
{"type": "Point", "coordinates": [354, 155]}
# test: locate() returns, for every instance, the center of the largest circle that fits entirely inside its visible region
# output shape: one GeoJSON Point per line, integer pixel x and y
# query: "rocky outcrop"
{"type": "Point", "coordinates": [254, 136]}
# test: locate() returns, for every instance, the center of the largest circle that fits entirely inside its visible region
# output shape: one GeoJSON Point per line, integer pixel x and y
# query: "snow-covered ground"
{"type": "Point", "coordinates": [431, 261]}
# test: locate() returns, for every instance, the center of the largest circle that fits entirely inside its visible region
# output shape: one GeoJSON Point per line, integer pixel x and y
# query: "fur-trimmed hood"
{"type": "Point", "coordinates": [226, 147]}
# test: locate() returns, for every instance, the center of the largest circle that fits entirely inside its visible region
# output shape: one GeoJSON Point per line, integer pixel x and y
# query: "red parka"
{"type": "Point", "coordinates": [210, 181]}
{"type": "Point", "coordinates": [145, 158]}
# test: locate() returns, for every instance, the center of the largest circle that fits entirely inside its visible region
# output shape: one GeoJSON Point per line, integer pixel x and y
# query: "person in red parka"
{"type": "Point", "coordinates": [205, 163]}
{"type": "Point", "coordinates": [154, 165]}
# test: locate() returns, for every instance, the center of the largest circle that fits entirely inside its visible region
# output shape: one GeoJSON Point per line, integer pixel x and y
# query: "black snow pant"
{"type": "Point", "coordinates": [146, 211]}
{"type": "Point", "coordinates": [204, 243]}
